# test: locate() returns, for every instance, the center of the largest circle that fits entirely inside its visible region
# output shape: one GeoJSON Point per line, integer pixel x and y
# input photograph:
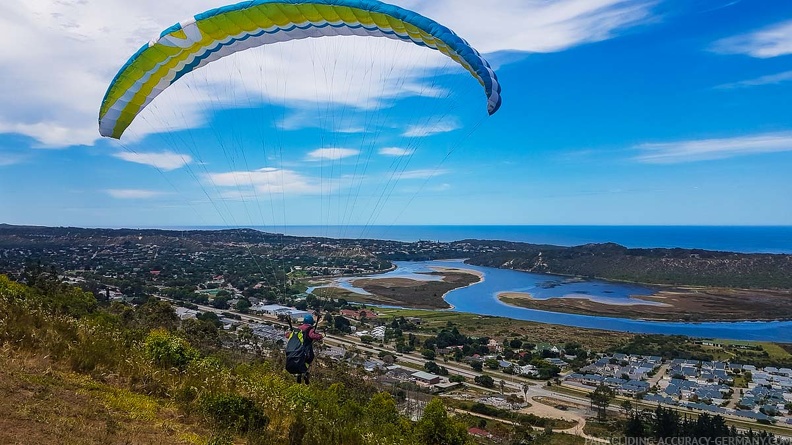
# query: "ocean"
{"type": "Point", "coordinates": [743, 239]}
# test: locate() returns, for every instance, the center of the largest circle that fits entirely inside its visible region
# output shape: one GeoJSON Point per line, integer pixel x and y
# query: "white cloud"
{"type": "Point", "coordinates": [771, 79]}
{"type": "Point", "coordinates": [537, 25]}
{"type": "Point", "coordinates": [395, 151]}
{"type": "Point", "coordinates": [772, 41]}
{"type": "Point", "coordinates": [164, 161]}
{"type": "Point", "coordinates": [711, 149]}
{"type": "Point", "coordinates": [270, 181]}
{"type": "Point", "coordinates": [133, 193]}
{"type": "Point", "coordinates": [430, 129]}
{"type": "Point", "coordinates": [331, 154]}
{"type": "Point", "coordinates": [65, 53]}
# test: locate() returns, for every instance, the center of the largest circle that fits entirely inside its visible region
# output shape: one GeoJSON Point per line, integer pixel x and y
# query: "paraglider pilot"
{"type": "Point", "coordinates": [299, 348]}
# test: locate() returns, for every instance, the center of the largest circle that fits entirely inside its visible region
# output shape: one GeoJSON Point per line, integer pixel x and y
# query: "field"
{"type": "Point", "coordinates": [486, 326]}
{"type": "Point", "coordinates": [760, 354]}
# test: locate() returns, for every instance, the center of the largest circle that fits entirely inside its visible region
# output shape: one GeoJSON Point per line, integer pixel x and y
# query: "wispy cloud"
{"type": "Point", "coordinates": [538, 26]}
{"type": "Point", "coordinates": [422, 174]}
{"type": "Point", "coordinates": [331, 154]}
{"type": "Point", "coordinates": [7, 159]}
{"type": "Point", "coordinates": [771, 79]}
{"type": "Point", "coordinates": [321, 116]}
{"type": "Point", "coordinates": [164, 161]}
{"type": "Point", "coordinates": [430, 129]}
{"type": "Point", "coordinates": [133, 193]}
{"type": "Point", "coordinates": [395, 151]}
{"type": "Point", "coordinates": [269, 181]}
{"type": "Point", "coordinates": [773, 41]}
{"type": "Point", "coordinates": [711, 149]}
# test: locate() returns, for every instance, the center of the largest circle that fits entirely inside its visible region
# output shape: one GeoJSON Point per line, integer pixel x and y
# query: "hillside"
{"type": "Point", "coordinates": [74, 371]}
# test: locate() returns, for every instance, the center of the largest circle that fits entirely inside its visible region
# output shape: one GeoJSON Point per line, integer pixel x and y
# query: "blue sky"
{"type": "Point", "coordinates": [615, 112]}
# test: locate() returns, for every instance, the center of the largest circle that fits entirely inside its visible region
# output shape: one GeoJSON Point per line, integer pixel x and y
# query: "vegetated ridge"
{"type": "Point", "coordinates": [681, 267]}
{"type": "Point", "coordinates": [692, 267]}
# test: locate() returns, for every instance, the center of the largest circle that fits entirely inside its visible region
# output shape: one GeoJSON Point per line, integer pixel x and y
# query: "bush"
{"type": "Point", "coordinates": [456, 379]}
{"type": "Point", "coordinates": [169, 351]}
{"type": "Point", "coordinates": [233, 412]}
{"type": "Point", "coordinates": [485, 381]}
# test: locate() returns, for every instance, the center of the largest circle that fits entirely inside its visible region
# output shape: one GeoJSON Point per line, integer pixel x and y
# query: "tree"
{"type": "Point", "coordinates": [485, 381]}
{"type": "Point", "coordinates": [432, 367]}
{"type": "Point", "coordinates": [627, 407]}
{"type": "Point", "coordinates": [201, 334]}
{"type": "Point", "coordinates": [601, 398]}
{"type": "Point", "coordinates": [456, 379]}
{"type": "Point", "coordinates": [156, 314]}
{"type": "Point", "coordinates": [220, 302]}
{"type": "Point", "coordinates": [210, 317]}
{"type": "Point", "coordinates": [243, 305]}
{"type": "Point", "coordinates": [436, 428]}
{"type": "Point", "coordinates": [428, 354]}
{"type": "Point", "coordinates": [477, 365]}
{"type": "Point", "coordinates": [342, 324]}
{"type": "Point", "coordinates": [635, 426]}
{"type": "Point", "coordinates": [367, 339]}
{"type": "Point", "coordinates": [666, 423]}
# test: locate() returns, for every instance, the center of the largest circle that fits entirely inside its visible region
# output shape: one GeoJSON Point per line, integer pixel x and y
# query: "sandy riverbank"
{"type": "Point", "coordinates": [419, 294]}
{"type": "Point", "coordinates": [673, 304]}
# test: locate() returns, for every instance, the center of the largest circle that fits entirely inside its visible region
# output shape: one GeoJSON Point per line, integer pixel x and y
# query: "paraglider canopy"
{"type": "Point", "coordinates": [220, 32]}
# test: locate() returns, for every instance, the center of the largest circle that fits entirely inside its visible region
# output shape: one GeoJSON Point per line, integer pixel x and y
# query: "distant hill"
{"type": "Point", "coordinates": [691, 267]}
{"type": "Point", "coordinates": [656, 266]}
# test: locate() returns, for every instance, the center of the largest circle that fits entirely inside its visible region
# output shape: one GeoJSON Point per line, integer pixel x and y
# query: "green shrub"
{"type": "Point", "coordinates": [169, 351]}
{"type": "Point", "coordinates": [233, 412]}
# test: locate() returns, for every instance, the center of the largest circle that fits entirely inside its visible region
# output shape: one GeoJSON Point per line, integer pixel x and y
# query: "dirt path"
{"type": "Point", "coordinates": [539, 408]}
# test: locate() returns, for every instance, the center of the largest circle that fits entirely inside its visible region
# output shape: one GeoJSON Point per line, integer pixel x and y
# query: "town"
{"type": "Point", "coordinates": [519, 374]}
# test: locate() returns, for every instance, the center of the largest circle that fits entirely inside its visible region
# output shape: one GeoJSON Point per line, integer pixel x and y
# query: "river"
{"type": "Point", "coordinates": [481, 298]}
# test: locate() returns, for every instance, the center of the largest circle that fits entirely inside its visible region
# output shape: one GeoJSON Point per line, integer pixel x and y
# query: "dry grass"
{"type": "Point", "coordinates": [44, 403]}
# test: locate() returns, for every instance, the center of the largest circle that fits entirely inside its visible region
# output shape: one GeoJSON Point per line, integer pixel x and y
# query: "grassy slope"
{"type": "Point", "coordinates": [43, 403]}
